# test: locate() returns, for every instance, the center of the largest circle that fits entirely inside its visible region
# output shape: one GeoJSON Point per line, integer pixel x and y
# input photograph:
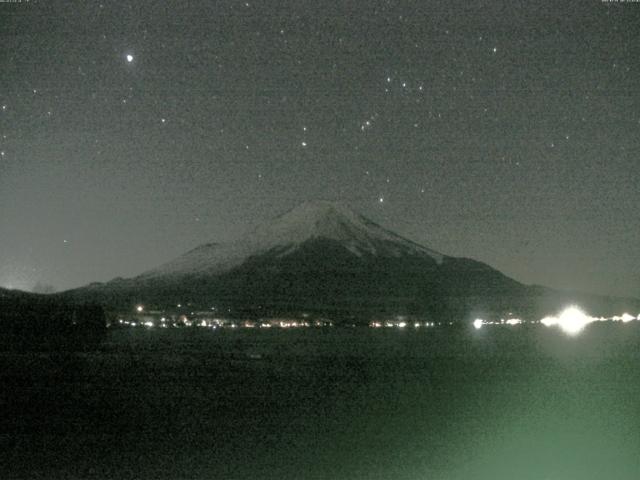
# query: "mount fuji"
{"type": "Point", "coordinates": [293, 232]}
{"type": "Point", "coordinates": [325, 259]}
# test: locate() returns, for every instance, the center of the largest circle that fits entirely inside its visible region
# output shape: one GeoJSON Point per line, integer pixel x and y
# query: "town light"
{"type": "Point", "coordinates": [573, 320]}
{"type": "Point", "coordinates": [626, 318]}
{"type": "Point", "coordinates": [549, 321]}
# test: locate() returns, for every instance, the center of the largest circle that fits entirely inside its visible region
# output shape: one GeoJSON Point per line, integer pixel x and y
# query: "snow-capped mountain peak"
{"type": "Point", "coordinates": [334, 221]}
{"type": "Point", "coordinates": [306, 222]}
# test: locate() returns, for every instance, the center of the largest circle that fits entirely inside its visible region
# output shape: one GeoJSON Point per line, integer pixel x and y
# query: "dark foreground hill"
{"type": "Point", "coordinates": [30, 321]}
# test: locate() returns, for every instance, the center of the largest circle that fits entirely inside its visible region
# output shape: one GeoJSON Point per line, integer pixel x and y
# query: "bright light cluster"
{"type": "Point", "coordinates": [573, 320]}
{"type": "Point", "coordinates": [399, 322]}
{"type": "Point", "coordinates": [479, 322]}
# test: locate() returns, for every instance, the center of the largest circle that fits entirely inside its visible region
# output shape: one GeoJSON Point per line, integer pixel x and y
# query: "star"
{"type": "Point", "coordinates": [304, 144]}
{"type": "Point", "coordinates": [129, 58]}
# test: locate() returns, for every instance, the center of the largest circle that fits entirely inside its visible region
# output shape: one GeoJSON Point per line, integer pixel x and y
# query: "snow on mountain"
{"type": "Point", "coordinates": [308, 221]}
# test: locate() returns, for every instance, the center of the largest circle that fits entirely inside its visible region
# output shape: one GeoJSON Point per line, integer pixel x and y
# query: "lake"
{"type": "Point", "coordinates": [524, 402]}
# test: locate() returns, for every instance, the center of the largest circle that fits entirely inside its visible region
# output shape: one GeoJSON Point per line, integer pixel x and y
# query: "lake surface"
{"type": "Point", "coordinates": [335, 403]}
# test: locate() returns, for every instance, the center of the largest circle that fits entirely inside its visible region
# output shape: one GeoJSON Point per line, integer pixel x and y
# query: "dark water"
{"type": "Point", "coordinates": [328, 404]}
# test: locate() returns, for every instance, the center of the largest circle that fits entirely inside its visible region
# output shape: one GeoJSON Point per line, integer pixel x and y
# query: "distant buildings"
{"type": "Point", "coordinates": [207, 319]}
{"type": "Point", "coordinates": [571, 320]}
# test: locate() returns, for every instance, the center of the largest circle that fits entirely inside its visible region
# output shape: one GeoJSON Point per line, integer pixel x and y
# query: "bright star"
{"type": "Point", "coordinates": [129, 58]}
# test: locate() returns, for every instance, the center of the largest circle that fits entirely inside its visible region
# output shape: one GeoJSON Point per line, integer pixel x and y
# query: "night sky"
{"type": "Point", "coordinates": [508, 132]}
